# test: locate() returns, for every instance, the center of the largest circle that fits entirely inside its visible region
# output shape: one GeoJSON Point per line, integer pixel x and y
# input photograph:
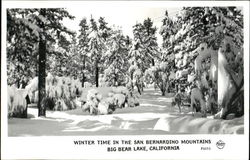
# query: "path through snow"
{"type": "Point", "coordinates": [155, 115]}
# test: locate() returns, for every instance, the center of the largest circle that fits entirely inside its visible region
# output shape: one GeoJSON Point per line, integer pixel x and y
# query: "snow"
{"type": "Point", "coordinates": [191, 78]}
{"type": "Point", "coordinates": [196, 95]}
{"type": "Point", "coordinates": [226, 89]}
{"type": "Point", "coordinates": [16, 100]}
{"type": "Point", "coordinates": [181, 73]}
{"type": "Point", "coordinates": [155, 115]}
{"type": "Point", "coordinates": [189, 124]}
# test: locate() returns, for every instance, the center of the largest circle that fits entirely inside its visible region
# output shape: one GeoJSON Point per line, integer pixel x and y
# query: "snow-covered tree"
{"type": "Point", "coordinates": [144, 52]}
{"type": "Point", "coordinates": [149, 42]}
{"type": "Point", "coordinates": [97, 38]}
{"type": "Point", "coordinates": [82, 48]}
{"type": "Point", "coordinates": [103, 28]}
{"type": "Point", "coordinates": [200, 34]}
{"type": "Point", "coordinates": [116, 62]}
{"type": "Point", "coordinates": [43, 26]}
{"type": "Point", "coordinates": [21, 47]}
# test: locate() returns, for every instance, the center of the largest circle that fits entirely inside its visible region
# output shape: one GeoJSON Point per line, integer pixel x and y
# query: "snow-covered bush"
{"type": "Point", "coordinates": [131, 98]}
{"type": "Point", "coordinates": [94, 94]}
{"type": "Point", "coordinates": [10, 98]}
{"type": "Point", "coordinates": [197, 101]}
{"type": "Point", "coordinates": [93, 99]}
{"type": "Point", "coordinates": [120, 100]}
{"type": "Point", "coordinates": [106, 106]}
{"type": "Point", "coordinates": [60, 105]}
{"type": "Point", "coordinates": [48, 102]}
{"type": "Point", "coordinates": [17, 104]}
{"type": "Point", "coordinates": [121, 90]}
{"type": "Point", "coordinates": [91, 107]}
{"type": "Point", "coordinates": [71, 104]}
{"type": "Point", "coordinates": [60, 92]}
{"type": "Point", "coordinates": [107, 99]}
{"type": "Point", "coordinates": [103, 107]}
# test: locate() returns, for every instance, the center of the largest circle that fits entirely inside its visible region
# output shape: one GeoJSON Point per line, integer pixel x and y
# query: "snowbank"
{"type": "Point", "coordinates": [194, 125]}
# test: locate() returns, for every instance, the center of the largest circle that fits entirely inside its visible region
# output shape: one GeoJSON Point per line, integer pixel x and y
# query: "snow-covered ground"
{"type": "Point", "coordinates": [155, 115]}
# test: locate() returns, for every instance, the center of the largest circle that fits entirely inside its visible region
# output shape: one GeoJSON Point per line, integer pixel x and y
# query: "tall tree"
{"type": "Point", "coordinates": [99, 33]}
{"type": "Point", "coordinates": [105, 31]}
{"type": "Point", "coordinates": [116, 62]}
{"type": "Point", "coordinates": [22, 46]}
{"type": "Point", "coordinates": [82, 47]}
{"type": "Point", "coordinates": [41, 66]}
{"type": "Point", "coordinates": [144, 51]}
{"type": "Point", "coordinates": [201, 34]}
{"type": "Point", "coordinates": [150, 44]}
{"type": "Point", "coordinates": [44, 27]}
{"type": "Point", "coordinates": [49, 23]}
{"type": "Point", "coordinates": [96, 47]}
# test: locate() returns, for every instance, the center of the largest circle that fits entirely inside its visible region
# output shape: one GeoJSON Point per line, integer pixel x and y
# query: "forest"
{"type": "Point", "coordinates": [190, 83]}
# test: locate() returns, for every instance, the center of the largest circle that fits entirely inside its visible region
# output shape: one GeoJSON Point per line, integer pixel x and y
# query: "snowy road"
{"type": "Point", "coordinates": [155, 115]}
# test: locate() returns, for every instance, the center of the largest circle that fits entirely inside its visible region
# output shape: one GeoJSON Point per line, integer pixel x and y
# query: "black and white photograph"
{"type": "Point", "coordinates": [124, 70]}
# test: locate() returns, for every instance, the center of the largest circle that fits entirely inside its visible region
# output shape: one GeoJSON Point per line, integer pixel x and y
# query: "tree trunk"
{"type": "Point", "coordinates": [83, 79]}
{"type": "Point", "coordinates": [18, 72]}
{"type": "Point", "coordinates": [167, 87]}
{"type": "Point", "coordinates": [131, 77]}
{"type": "Point", "coordinates": [83, 75]}
{"type": "Point", "coordinates": [161, 87]}
{"type": "Point", "coordinates": [18, 79]}
{"type": "Point", "coordinates": [163, 91]}
{"type": "Point", "coordinates": [41, 71]}
{"type": "Point", "coordinates": [138, 88]}
{"type": "Point", "coordinates": [153, 62]}
{"type": "Point", "coordinates": [96, 73]}
{"type": "Point", "coordinates": [115, 80]}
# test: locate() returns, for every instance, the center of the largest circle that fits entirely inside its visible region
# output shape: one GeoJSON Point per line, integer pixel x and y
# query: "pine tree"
{"type": "Point", "coordinates": [116, 62]}
{"type": "Point", "coordinates": [83, 47]}
{"type": "Point", "coordinates": [104, 29]}
{"type": "Point", "coordinates": [143, 53]}
{"type": "Point", "coordinates": [162, 73]}
{"type": "Point", "coordinates": [96, 48]}
{"type": "Point", "coordinates": [43, 27]}
{"type": "Point", "coordinates": [54, 25]}
{"type": "Point", "coordinates": [200, 31]}
{"type": "Point", "coordinates": [150, 44]}
{"type": "Point", "coordinates": [21, 46]}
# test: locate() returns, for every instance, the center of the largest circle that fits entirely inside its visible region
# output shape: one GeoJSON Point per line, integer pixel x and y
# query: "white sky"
{"type": "Point", "coordinates": [122, 16]}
